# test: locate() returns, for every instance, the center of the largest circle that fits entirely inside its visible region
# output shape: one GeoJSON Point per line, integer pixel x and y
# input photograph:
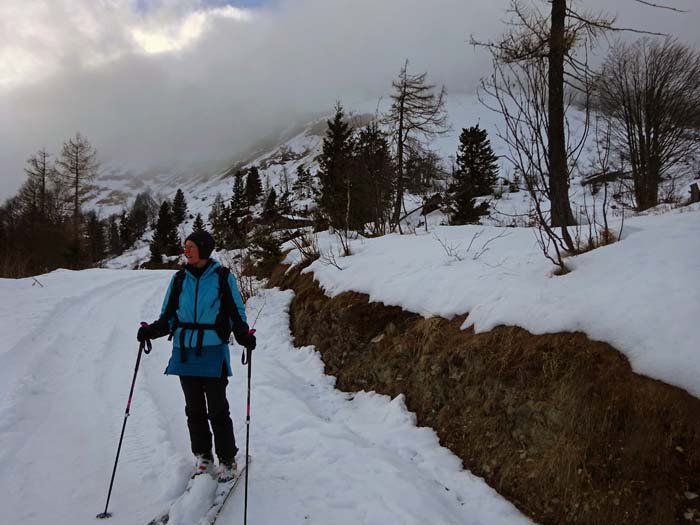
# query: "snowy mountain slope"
{"type": "Point", "coordinates": [297, 145]}
{"type": "Point", "coordinates": [321, 456]}
{"type": "Point", "coordinates": [279, 156]}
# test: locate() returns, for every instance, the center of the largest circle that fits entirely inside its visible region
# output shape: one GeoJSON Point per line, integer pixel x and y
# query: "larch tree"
{"type": "Point", "coordinates": [77, 167]}
{"type": "Point", "coordinates": [39, 171]}
{"type": "Point", "coordinates": [417, 112]}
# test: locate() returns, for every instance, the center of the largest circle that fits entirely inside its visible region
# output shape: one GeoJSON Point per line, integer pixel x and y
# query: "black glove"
{"type": "Point", "coordinates": [144, 333]}
{"type": "Point", "coordinates": [246, 339]}
{"type": "Point", "coordinates": [154, 330]}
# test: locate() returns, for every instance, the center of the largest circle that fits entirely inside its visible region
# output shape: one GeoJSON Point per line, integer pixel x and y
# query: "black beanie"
{"type": "Point", "coordinates": [204, 241]}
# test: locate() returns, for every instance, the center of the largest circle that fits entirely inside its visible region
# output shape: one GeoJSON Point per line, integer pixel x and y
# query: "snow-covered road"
{"type": "Point", "coordinates": [321, 456]}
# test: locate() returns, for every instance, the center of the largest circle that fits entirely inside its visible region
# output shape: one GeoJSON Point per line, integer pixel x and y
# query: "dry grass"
{"type": "Point", "coordinates": [557, 423]}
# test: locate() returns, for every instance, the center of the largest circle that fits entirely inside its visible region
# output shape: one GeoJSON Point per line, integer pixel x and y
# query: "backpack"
{"type": "Point", "coordinates": [226, 319]}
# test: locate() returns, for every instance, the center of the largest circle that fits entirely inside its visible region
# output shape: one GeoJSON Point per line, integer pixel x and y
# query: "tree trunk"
{"type": "Point", "coordinates": [76, 209]}
{"type": "Point", "coordinates": [558, 172]}
{"type": "Point", "coordinates": [399, 172]}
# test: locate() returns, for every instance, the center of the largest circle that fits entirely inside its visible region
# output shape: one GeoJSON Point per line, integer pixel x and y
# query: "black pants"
{"type": "Point", "coordinates": [209, 392]}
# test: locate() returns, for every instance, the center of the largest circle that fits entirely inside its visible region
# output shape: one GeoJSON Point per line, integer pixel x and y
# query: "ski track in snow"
{"type": "Point", "coordinates": [321, 456]}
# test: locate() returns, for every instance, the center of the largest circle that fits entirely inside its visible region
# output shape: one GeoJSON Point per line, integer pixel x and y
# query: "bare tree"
{"type": "Point", "coordinates": [649, 94]}
{"type": "Point", "coordinates": [76, 168]}
{"type": "Point", "coordinates": [417, 111]}
{"type": "Point", "coordinates": [560, 41]}
{"type": "Point", "coordinates": [534, 61]}
{"type": "Point", "coordinates": [518, 91]}
{"type": "Point", "coordinates": [39, 171]}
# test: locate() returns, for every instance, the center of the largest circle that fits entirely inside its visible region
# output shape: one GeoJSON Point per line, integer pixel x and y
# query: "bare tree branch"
{"type": "Point", "coordinates": [659, 6]}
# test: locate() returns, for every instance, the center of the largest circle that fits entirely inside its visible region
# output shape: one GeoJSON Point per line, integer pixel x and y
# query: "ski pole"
{"type": "Point", "coordinates": [145, 346]}
{"type": "Point", "coordinates": [247, 437]}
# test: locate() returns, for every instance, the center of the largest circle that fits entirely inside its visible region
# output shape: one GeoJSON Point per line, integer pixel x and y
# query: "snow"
{"type": "Point", "coordinates": [321, 456]}
{"type": "Point", "coordinates": [640, 294]}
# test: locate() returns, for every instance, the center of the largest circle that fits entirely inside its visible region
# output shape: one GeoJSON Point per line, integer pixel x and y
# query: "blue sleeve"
{"type": "Point", "coordinates": [237, 299]}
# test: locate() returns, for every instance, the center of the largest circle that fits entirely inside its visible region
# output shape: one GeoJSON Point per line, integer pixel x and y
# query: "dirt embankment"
{"type": "Point", "coordinates": [558, 424]}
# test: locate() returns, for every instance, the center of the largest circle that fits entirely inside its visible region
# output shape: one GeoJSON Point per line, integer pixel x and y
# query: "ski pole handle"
{"type": "Point", "coordinates": [146, 345]}
{"type": "Point", "coordinates": [244, 361]}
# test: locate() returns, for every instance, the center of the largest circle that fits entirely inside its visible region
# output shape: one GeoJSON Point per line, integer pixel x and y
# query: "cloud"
{"type": "Point", "coordinates": [185, 82]}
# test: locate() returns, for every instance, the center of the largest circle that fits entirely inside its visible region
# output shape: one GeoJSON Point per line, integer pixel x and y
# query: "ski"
{"type": "Point", "coordinates": [223, 491]}
{"type": "Point", "coordinates": [221, 495]}
{"type": "Point", "coordinates": [163, 518]}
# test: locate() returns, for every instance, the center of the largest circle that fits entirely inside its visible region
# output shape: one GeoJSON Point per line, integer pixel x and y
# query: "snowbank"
{"type": "Point", "coordinates": [640, 294]}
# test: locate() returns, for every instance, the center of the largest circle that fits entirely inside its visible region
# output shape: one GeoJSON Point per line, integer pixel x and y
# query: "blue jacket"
{"type": "Point", "coordinates": [199, 303]}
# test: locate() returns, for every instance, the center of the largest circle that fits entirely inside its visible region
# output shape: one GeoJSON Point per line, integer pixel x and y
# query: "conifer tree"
{"type": "Point", "coordinates": [76, 168]}
{"type": "Point", "coordinates": [142, 213]}
{"type": "Point", "coordinates": [198, 224]}
{"type": "Point", "coordinates": [335, 161]}
{"type": "Point", "coordinates": [476, 161]}
{"type": "Point", "coordinates": [126, 232]}
{"type": "Point", "coordinates": [95, 237]}
{"type": "Point", "coordinates": [165, 238]}
{"type": "Point", "coordinates": [39, 172]}
{"type": "Point", "coordinates": [422, 170]}
{"type": "Point", "coordinates": [114, 240]}
{"type": "Point", "coordinates": [376, 171]}
{"type": "Point", "coordinates": [253, 186]}
{"type": "Point", "coordinates": [416, 111]}
{"type": "Point", "coordinates": [476, 173]}
{"type": "Point", "coordinates": [265, 248]}
{"type": "Point", "coordinates": [303, 185]}
{"type": "Point", "coordinates": [270, 208]}
{"type": "Point", "coordinates": [284, 203]}
{"type": "Point", "coordinates": [179, 207]}
{"type": "Point", "coordinates": [239, 200]}
{"type": "Point", "coordinates": [218, 219]}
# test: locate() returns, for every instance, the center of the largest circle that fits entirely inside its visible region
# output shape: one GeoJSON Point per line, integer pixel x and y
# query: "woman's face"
{"type": "Point", "coordinates": [191, 253]}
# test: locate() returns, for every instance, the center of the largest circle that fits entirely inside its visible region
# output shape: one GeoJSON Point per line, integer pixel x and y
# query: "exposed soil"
{"type": "Point", "coordinates": [558, 424]}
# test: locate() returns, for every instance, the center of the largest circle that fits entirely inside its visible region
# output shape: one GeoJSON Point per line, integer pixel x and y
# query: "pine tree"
{"type": "Point", "coordinates": [95, 237]}
{"type": "Point", "coordinates": [476, 173]}
{"type": "Point", "coordinates": [239, 200]}
{"type": "Point", "coordinates": [156, 252]}
{"type": "Point", "coordinates": [218, 220]}
{"type": "Point", "coordinates": [422, 170]}
{"type": "Point", "coordinates": [142, 213]}
{"type": "Point", "coordinates": [198, 223]}
{"type": "Point", "coordinates": [114, 240]}
{"type": "Point", "coordinates": [179, 207]}
{"type": "Point", "coordinates": [476, 160]}
{"type": "Point", "coordinates": [165, 238]}
{"type": "Point", "coordinates": [126, 232]}
{"type": "Point", "coordinates": [376, 171]}
{"type": "Point", "coordinates": [303, 185]}
{"type": "Point", "coordinates": [253, 186]}
{"type": "Point", "coordinates": [270, 208]}
{"type": "Point", "coordinates": [335, 161]}
{"type": "Point", "coordinates": [265, 248]}
{"type": "Point", "coordinates": [284, 203]}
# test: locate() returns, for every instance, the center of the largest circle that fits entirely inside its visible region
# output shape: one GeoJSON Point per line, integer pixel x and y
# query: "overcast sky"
{"type": "Point", "coordinates": [176, 82]}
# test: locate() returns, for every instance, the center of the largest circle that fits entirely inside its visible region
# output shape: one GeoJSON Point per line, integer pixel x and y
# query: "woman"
{"type": "Point", "coordinates": [201, 308]}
